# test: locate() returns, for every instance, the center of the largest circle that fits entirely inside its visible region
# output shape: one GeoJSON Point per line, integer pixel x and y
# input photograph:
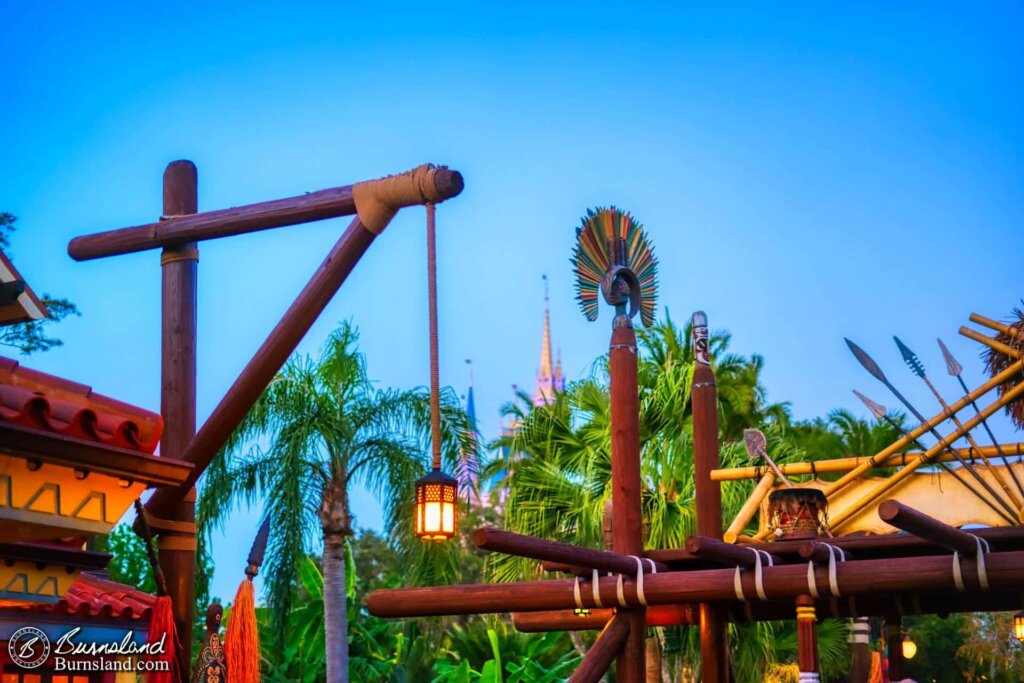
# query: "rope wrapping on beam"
{"type": "Point", "coordinates": [958, 578]}
{"type": "Point", "coordinates": [833, 584]}
{"type": "Point", "coordinates": [620, 590]}
{"type": "Point", "coordinates": [758, 575]}
{"type": "Point", "coordinates": [595, 589]}
{"type": "Point", "coordinates": [377, 201]}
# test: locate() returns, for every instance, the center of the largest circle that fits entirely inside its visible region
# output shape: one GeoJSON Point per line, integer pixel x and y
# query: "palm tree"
{"type": "Point", "coordinates": [320, 427]}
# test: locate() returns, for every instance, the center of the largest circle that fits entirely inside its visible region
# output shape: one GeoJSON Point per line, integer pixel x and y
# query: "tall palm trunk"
{"type": "Point", "coordinates": [335, 523]}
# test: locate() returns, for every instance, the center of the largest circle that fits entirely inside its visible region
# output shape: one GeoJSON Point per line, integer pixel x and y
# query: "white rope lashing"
{"type": "Point", "coordinates": [958, 578]}
{"type": "Point", "coordinates": [737, 580]}
{"type": "Point", "coordinates": [576, 592]}
{"type": "Point", "coordinates": [620, 590]}
{"type": "Point", "coordinates": [833, 584]}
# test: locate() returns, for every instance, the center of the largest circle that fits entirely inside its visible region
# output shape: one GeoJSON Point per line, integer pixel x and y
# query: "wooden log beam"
{"type": "Point", "coordinates": [568, 620]}
{"type": "Point", "coordinates": [865, 547]}
{"type": "Point", "coordinates": [267, 360]}
{"type": "Point", "coordinates": [179, 273]}
{"type": "Point", "coordinates": [846, 464]}
{"type": "Point", "coordinates": [563, 568]}
{"type": "Point", "coordinates": [993, 344]}
{"type": "Point", "coordinates": [893, 575]}
{"type": "Point", "coordinates": [817, 551]}
{"type": "Point", "coordinates": [714, 644]}
{"type": "Point", "coordinates": [509, 543]}
{"type": "Point", "coordinates": [600, 655]}
{"type": "Point", "coordinates": [177, 230]}
{"type": "Point", "coordinates": [727, 553]}
{"type": "Point", "coordinates": [942, 603]}
{"type": "Point", "coordinates": [928, 528]}
{"type": "Point", "coordinates": [627, 487]}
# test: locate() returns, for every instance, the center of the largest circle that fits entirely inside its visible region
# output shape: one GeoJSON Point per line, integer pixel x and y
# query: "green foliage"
{"type": "Point", "coordinates": [31, 337]}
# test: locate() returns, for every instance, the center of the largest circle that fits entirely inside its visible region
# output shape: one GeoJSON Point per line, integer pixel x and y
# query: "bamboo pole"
{"type": "Point", "coordinates": [836, 521]}
{"type": "Point", "coordinates": [714, 644]}
{"type": "Point", "coordinates": [627, 518]}
{"type": "Point", "coordinates": [600, 655]}
{"type": "Point", "coordinates": [509, 543]}
{"type": "Point", "coordinates": [846, 464]}
{"type": "Point", "coordinates": [750, 507]}
{"type": "Point", "coordinates": [178, 270]}
{"type": "Point", "coordinates": [991, 324]}
{"type": "Point", "coordinates": [990, 342]}
{"type": "Point", "coordinates": [1005, 571]}
{"type": "Point", "coordinates": [918, 431]}
{"type": "Point", "coordinates": [312, 206]}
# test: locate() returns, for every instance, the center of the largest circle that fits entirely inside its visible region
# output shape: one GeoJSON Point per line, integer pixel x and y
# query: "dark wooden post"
{"type": "Point", "coordinates": [860, 637]}
{"type": "Point", "coordinates": [178, 397]}
{"type": "Point", "coordinates": [894, 646]}
{"type": "Point", "coordinates": [627, 520]}
{"type": "Point", "coordinates": [714, 650]}
{"type": "Point", "coordinates": [806, 639]}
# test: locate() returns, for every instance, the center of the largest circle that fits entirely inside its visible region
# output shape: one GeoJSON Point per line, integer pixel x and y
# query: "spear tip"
{"type": "Point", "coordinates": [754, 441]}
{"type": "Point", "coordinates": [867, 361]}
{"type": "Point", "coordinates": [910, 358]}
{"type": "Point", "coordinates": [952, 365]}
{"type": "Point", "coordinates": [877, 409]}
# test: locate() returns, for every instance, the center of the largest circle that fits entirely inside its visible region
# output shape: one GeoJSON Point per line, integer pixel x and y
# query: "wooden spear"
{"type": "Point", "coordinates": [872, 367]}
{"type": "Point", "coordinates": [880, 413]}
{"type": "Point", "coordinates": [956, 370]}
{"type": "Point", "coordinates": [917, 367]}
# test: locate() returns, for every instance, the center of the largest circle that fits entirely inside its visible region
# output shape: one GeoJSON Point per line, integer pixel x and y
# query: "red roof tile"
{"type": "Point", "coordinates": [35, 399]}
{"type": "Point", "coordinates": [93, 596]}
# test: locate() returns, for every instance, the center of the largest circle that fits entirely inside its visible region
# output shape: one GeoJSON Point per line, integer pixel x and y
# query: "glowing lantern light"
{"type": "Point", "coordinates": [1018, 626]}
{"type": "Point", "coordinates": [909, 647]}
{"type": "Point", "coordinates": [436, 496]}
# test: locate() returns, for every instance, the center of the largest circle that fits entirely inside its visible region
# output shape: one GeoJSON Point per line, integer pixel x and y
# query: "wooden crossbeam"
{"type": "Point", "coordinates": [600, 655]}
{"type": "Point", "coordinates": [928, 528]}
{"type": "Point", "coordinates": [577, 557]}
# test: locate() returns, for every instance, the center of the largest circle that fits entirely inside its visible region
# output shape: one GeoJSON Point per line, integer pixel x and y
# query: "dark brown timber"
{"type": "Point", "coordinates": [600, 655]}
{"type": "Point", "coordinates": [312, 206]}
{"type": "Point", "coordinates": [942, 603]}
{"type": "Point", "coordinates": [627, 519]}
{"type": "Point", "coordinates": [714, 650]}
{"type": "Point", "coordinates": [933, 573]}
{"type": "Point", "coordinates": [816, 551]}
{"type": "Point", "coordinates": [930, 529]}
{"type": "Point", "coordinates": [726, 553]}
{"type": "Point", "coordinates": [894, 646]}
{"type": "Point", "coordinates": [269, 358]}
{"type": "Point", "coordinates": [178, 395]}
{"type": "Point", "coordinates": [509, 543]}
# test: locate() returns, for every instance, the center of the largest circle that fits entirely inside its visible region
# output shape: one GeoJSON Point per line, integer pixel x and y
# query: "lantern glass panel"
{"type": "Point", "coordinates": [436, 498]}
{"type": "Point", "coordinates": [1018, 626]}
{"type": "Point", "coordinates": [909, 648]}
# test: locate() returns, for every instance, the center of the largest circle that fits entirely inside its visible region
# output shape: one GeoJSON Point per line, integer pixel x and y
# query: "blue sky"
{"type": "Point", "coordinates": [805, 170]}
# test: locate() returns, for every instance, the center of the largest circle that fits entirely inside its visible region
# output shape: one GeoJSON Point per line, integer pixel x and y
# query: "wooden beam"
{"type": "Point", "coordinates": [568, 620]}
{"type": "Point", "coordinates": [928, 528]}
{"type": "Point", "coordinates": [175, 231]}
{"type": "Point", "coordinates": [627, 517]}
{"type": "Point", "coordinates": [865, 547]}
{"type": "Point", "coordinates": [817, 551]}
{"type": "Point", "coordinates": [727, 553]}
{"type": "Point", "coordinates": [268, 359]}
{"type": "Point", "coordinates": [714, 645]}
{"type": "Point", "coordinates": [178, 268]}
{"type": "Point", "coordinates": [600, 655]}
{"type": "Point", "coordinates": [509, 543]}
{"type": "Point", "coordinates": [859, 577]}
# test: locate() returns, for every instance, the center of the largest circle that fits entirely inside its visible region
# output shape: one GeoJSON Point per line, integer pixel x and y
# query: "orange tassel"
{"type": "Point", "coordinates": [242, 641]}
{"type": "Point", "coordinates": [161, 628]}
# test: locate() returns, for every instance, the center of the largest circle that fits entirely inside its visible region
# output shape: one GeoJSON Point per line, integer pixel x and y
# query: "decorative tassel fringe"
{"type": "Point", "coordinates": [161, 627]}
{"type": "Point", "coordinates": [242, 641]}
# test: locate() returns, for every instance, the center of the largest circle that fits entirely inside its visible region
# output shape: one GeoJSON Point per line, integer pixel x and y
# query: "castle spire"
{"type": "Point", "coordinates": [546, 380]}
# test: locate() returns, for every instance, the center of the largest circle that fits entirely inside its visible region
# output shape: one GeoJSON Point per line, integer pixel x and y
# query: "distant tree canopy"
{"type": "Point", "coordinates": [31, 337]}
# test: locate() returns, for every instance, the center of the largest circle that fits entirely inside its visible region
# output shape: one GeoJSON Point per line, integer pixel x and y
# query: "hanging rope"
{"type": "Point", "coordinates": [435, 374]}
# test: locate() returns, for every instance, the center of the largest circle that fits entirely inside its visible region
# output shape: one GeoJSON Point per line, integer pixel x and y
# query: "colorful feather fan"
{"type": "Point", "coordinates": [592, 259]}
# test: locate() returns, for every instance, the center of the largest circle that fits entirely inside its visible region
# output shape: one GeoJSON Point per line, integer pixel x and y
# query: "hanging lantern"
{"type": "Point", "coordinates": [436, 496]}
{"type": "Point", "coordinates": [909, 647]}
{"type": "Point", "coordinates": [1018, 626]}
{"type": "Point", "coordinates": [436, 493]}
